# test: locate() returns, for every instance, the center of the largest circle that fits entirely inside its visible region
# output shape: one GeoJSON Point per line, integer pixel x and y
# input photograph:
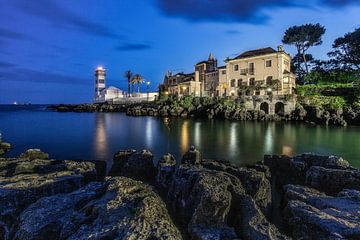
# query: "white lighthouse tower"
{"type": "Point", "coordinates": [100, 74]}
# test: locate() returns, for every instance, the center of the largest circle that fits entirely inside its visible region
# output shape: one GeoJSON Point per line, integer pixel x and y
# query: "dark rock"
{"type": "Point", "coordinates": [138, 165]}
{"type": "Point", "coordinates": [119, 160]}
{"type": "Point", "coordinates": [23, 181]}
{"type": "Point", "coordinates": [165, 170]}
{"type": "Point", "coordinates": [204, 199]}
{"type": "Point", "coordinates": [332, 181]}
{"type": "Point", "coordinates": [293, 170]}
{"type": "Point", "coordinates": [255, 183]}
{"type": "Point", "coordinates": [313, 215]}
{"type": "Point", "coordinates": [193, 156]}
{"type": "Point", "coordinates": [121, 209]}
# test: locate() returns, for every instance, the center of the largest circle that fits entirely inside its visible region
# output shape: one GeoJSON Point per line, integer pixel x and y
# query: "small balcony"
{"type": "Point", "coordinates": [247, 71]}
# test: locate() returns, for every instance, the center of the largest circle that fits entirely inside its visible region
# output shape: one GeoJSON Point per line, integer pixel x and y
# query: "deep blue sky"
{"type": "Point", "coordinates": [49, 48]}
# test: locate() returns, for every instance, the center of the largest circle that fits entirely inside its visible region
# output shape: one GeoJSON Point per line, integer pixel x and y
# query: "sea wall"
{"type": "Point", "coordinates": [308, 196]}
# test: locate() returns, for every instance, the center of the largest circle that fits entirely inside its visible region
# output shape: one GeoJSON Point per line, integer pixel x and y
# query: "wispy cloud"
{"type": "Point", "coordinates": [53, 12]}
{"type": "Point", "coordinates": [28, 75]}
{"type": "Point", "coordinates": [9, 34]}
{"type": "Point", "coordinates": [133, 47]}
{"type": "Point", "coordinates": [6, 65]}
{"type": "Point", "coordinates": [245, 11]}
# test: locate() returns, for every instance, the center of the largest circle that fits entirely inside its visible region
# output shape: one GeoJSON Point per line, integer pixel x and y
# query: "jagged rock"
{"type": "Point", "coordinates": [285, 170]}
{"type": "Point", "coordinates": [23, 182]}
{"type": "Point", "coordinates": [32, 154]}
{"type": "Point", "coordinates": [165, 170]}
{"type": "Point", "coordinates": [203, 198]}
{"type": "Point", "coordinates": [216, 206]}
{"type": "Point", "coordinates": [120, 209]}
{"type": "Point", "coordinates": [293, 170]}
{"type": "Point", "coordinates": [313, 215]}
{"type": "Point", "coordinates": [332, 181]}
{"type": "Point", "coordinates": [255, 183]}
{"type": "Point", "coordinates": [119, 160]}
{"type": "Point", "coordinates": [138, 165]}
{"type": "Point", "coordinates": [193, 156]}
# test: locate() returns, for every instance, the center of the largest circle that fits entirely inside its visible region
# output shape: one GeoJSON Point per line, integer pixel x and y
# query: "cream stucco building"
{"type": "Point", "coordinates": [258, 72]}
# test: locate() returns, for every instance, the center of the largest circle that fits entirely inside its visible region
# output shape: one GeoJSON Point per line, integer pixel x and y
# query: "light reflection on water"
{"type": "Point", "coordinates": [100, 135]}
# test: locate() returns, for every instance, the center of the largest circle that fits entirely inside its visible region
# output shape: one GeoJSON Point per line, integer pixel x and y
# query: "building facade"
{"type": "Point", "coordinates": [261, 77]}
{"type": "Point", "coordinates": [260, 72]}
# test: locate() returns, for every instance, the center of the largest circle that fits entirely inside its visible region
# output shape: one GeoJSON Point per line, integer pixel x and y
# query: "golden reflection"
{"type": "Point", "coordinates": [287, 150]}
{"type": "Point", "coordinates": [184, 137]}
{"type": "Point", "coordinates": [100, 139]}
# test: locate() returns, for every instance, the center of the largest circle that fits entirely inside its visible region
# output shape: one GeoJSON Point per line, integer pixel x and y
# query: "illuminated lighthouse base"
{"type": "Point", "coordinates": [102, 93]}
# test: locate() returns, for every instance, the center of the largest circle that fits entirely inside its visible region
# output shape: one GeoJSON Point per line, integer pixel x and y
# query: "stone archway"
{"type": "Point", "coordinates": [265, 107]}
{"type": "Point", "coordinates": [280, 109]}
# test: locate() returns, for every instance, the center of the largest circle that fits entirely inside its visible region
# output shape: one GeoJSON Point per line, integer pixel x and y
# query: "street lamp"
{"type": "Point", "coordinates": [147, 90]}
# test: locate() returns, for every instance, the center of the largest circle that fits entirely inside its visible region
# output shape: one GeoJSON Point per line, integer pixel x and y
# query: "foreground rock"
{"type": "Point", "coordinates": [313, 215]}
{"type": "Point", "coordinates": [330, 174]}
{"type": "Point", "coordinates": [23, 182]}
{"type": "Point", "coordinates": [119, 209]}
{"type": "Point", "coordinates": [216, 206]}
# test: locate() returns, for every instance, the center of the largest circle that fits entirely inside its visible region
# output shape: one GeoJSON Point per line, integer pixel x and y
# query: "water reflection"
{"type": "Point", "coordinates": [184, 137]}
{"type": "Point", "coordinates": [100, 137]}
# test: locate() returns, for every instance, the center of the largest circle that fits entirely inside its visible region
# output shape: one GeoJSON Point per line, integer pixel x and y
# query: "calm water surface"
{"type": "Point", "coordinates": [100, 135]}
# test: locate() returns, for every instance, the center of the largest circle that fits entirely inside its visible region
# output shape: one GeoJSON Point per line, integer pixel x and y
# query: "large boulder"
{"type": "Point", "coordinates": [203, 199]}
{"type": "Point", "coordinates": [135, 165]}
{"type": "Point", "coordinates": [165, 170]}
{"type": "Point", "coordinates": [255, 180]}
{"type": "Point", "coordinates": [216, 206]}
{"type": "Point", "coordinates": [23, 181]}
{"type": "Point", "coordinates": [120, 209]}
{"type": "Point", "coordinates": [313, 215]}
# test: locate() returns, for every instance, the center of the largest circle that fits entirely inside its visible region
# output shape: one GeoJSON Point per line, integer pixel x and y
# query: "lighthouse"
{"type": "Point", "coordinates": [100, 74]}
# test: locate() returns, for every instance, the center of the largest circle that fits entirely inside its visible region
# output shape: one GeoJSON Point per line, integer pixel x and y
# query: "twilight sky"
{"type": "Point", "coordinates": [49, 48]}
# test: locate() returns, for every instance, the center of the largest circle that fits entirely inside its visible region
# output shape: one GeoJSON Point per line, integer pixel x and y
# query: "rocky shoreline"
{"type": "Point", "coordinates": [307, 196]}
{"type": "Point", "coordinates": [308, 114]}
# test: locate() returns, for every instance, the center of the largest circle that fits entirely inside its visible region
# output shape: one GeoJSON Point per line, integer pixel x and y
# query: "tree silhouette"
{"type": "Point", "coordinates": [303, 37]}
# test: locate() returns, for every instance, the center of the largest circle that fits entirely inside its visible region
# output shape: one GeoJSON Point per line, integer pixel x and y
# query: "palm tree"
{"type": "Point", "coordinates": [128, 74]}
{"type": "Point", "coordinates": [137, 79]}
